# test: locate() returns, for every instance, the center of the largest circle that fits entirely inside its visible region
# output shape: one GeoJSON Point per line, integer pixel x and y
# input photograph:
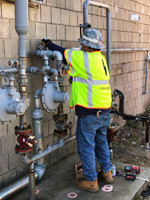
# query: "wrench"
{"type": "Point", "coordinates": [143, 179]}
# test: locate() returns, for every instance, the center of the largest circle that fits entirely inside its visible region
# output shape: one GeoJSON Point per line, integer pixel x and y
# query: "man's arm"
{"type": "Point", "coordinates": [54, 47]}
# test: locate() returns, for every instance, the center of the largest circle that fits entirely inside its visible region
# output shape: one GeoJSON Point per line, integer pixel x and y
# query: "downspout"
{"type": "Point", "coordinates": [21, 26]}
{"type": "Point", "coordinates": [108, 13]}
{"type": "Point", "coordinates": [147, 60]}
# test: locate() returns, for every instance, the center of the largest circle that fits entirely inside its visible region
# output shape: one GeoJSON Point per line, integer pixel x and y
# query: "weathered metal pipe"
{"type": "Point", "coordinates": [21, 24]}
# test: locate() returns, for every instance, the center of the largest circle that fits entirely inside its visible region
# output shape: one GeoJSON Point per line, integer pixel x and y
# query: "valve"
{"type": "Point", "coordinates": [25, 140]}
{"type": "Point", "coordinates": [62, 126]}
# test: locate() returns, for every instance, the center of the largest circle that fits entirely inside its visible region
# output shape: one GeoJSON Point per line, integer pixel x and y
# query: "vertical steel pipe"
{"type": "Point", "coordinates": [21, 26]}
{"type": "Point", "coordinates": [32, 182]}
{"type": "Point", "coordinates": [108, 20]}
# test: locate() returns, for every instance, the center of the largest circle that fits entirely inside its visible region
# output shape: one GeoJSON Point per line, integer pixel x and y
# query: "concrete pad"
{"type": "Point", "coordinates": [59, 180]}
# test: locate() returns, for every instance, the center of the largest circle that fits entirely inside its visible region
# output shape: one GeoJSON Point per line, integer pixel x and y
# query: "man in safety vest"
{"type": "Point", "coordinates": [91, 97]}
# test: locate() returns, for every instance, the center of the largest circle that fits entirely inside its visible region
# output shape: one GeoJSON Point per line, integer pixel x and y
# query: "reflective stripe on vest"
{"type": "Point", "coordinates": [69, 59]}
{"type": "Point", "coordinates": [89, 84]}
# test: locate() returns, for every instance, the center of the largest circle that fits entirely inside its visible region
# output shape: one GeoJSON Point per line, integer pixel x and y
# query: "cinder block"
{"type": "Point", "coordinates": [13, 33]}
{"type": "Point", "coordinates": [52, 126]}
{"type": "Point", "coordinates": [34, 15]}
{"type": "Point", "coordinates": [76, 34]}
{"type": "Point", "coordinates": [60, 32]}
{"type": "Point", "coordinates": [69, 33]}
{"type": "Point", "coordinates": [64, 15]}
{"type": "Point", "coordinates": [80, 18]}
{"type": "Point", "coordinates": [73, 18]}
{"type": "Point", "coordinates": [45, 14]}
{"type": "Point", "coordinates": [56, 15]}
{"type": "Point", "coordinates": [40, 30]}
{"type": "Point", "coordinates": [51, 31]}
{"type": "Point", "coordinates": [32, 31]}
{"type": "Point", "coordinates": [3, 131]}
{"type": "Point", "coordinates": [1, 182]}
{"type": "Point", "coordinates": [11, 47]}
{"type": "Point", "coordinates": [1, 49]}
{"type": "Point", "coordinates": [51, 3]}
{"type": "Point", "coordinates": [8, 11]}
{"type": "Point", "coordinates": [22, 170]}
{"type": "Point", "coordinates": [8, 144]}
{"type": "Point", "coordinates": [0, 9]}
{"type": "Point", "coordinates": [14, 160]}
{"type": "Point", "coordinates": [4, 164]}
{"type": "Point", "coordinates": [61, 3]}
{"type": "Point", "coordinates": [45, 129]}
{"type": "Point", "coordinates": [5, 28]}
{"type": "Point", "coordinates": [9, 177]}
{"type": "Point", "coordinates": [70, 4]}
{"type": "Point", "coordinates": [78, 5]}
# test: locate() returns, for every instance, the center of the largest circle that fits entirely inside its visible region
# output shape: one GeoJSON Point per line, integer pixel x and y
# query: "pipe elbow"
{"type": "Point", "coordinates": [40, 171]}
{"type": "Point", "coordinates": [25, 159]}
{"type": "Point", "coordinates": [58, 55]}
{"type": "Point", "coordinates": [37, 94]}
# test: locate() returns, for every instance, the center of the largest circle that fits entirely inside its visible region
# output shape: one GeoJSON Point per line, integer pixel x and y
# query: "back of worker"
{"type": "Point", "coordinates": [90, 86]}
{"type": "Point", "coordinates": [91, 97]}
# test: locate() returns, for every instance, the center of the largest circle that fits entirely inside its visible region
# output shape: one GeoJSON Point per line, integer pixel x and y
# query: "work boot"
{"type": "Point", "coordinates": [83, 184]}
{"type": "Point", "coordinates": [106, 176]}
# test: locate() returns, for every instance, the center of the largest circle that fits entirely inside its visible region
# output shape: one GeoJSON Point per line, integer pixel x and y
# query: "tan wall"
{"type": "Point", "coordinates": [59, 20]}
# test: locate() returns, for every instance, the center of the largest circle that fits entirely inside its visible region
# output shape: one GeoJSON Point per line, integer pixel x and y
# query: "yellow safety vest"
{"type": "Point", "coordinates": [90, 86]}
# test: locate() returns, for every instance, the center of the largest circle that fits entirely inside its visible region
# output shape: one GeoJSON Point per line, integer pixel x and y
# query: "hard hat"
{"type": "Point", "coordinates": [92, 38]}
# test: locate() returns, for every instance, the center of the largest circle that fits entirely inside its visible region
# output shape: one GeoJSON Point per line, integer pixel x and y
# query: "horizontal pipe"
{"type": "Point", "coordinates": [126, 50]}
{"type": "Point", "coordinates": [7, 70]}
{"type": "Point", "coordinates": [24, 182]}
{"type": "Point", "coordinates": [94, 3]}
{"type": "Point", "coordinates": [45, 152]}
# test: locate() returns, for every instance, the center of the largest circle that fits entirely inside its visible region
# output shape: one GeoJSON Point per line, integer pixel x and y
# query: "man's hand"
{"type": "Point", "coordinates": [63, 69]}
{"type": "Point", "coordinates": [46, 42]}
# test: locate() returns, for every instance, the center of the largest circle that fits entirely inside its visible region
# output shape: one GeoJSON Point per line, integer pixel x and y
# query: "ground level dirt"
{"type": "Point", "coordinates": [129, 145]}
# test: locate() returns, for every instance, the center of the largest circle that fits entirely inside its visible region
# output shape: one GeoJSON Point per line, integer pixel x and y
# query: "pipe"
{"type": "Point", "coordinates": [11, 70]}
{"type": "Point", "coordinates": [147, 60]}
{"type": "Point", "coordinates": [32, 182]}
{"type": "Point", "coordinates": [108, 13]}
{"type": "Point", "coordinates": [24, 182]}
{"type": "Point", "coordinates": [37, 116]}
{"type": "Point", "coordinates": [40, 154]}
{"type": "Point", "coordinates": [21, 24]}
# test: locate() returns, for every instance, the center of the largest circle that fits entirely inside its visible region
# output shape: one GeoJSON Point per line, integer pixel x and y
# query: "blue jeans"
{"type": "Point", "coordinates": [91, 137]}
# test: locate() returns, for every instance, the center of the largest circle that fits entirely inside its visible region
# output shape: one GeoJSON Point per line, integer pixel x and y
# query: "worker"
{"type": "Point", "coordinates": [91, 97]}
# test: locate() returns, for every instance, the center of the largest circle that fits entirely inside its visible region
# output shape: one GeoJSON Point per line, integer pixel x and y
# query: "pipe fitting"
{"type": "Point", "coordinates": [16, 107]}
{"type": "Point", "coordinates": [40, 171]}
{"type": "Point", "coordinates": [58, 55]}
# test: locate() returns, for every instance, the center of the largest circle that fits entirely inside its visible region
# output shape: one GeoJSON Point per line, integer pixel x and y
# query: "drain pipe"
{"type": "Point", "coordinates": [147, 60]}
{"type": "Point", "coordinates": [21, 26]}
{"type": "Point", "coordinates": [108, 13]}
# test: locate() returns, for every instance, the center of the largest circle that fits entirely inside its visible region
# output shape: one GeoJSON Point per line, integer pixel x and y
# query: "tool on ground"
{"type": "Point", "coordinates": [130, 176]}
{"type": "Point", "coordinates": [132, 168]}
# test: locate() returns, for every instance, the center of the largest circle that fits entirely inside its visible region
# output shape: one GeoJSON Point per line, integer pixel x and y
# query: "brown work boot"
{"type": "Point", "coordinates": [106, 176]}
{"type": "Point", "coordinates": [83, 184]}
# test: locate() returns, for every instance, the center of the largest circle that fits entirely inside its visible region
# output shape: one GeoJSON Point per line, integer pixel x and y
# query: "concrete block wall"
{"type": "Point", "coordinates": [59, 20]}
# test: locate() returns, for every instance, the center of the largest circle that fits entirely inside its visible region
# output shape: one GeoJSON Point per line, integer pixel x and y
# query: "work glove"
{"type": "Point", "coordinates": [46, 42]}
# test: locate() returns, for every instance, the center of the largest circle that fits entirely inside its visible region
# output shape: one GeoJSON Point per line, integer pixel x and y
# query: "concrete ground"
{"type": "Point", "coordinates": [59, 180]}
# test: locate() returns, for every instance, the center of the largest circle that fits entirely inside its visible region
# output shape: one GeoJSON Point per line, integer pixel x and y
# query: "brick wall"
{"type": "Point", "coordinates": [59, 20]}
